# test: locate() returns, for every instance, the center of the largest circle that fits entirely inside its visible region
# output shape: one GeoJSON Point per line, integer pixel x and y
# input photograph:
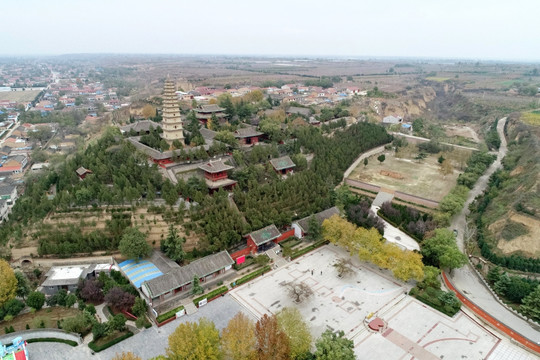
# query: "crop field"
{"type": "Point", "coordinates": [19, 96]}
{"type": "Point", "coordinates": [532, 117]}
{"type": "Point", "coordinates": [421, 178]}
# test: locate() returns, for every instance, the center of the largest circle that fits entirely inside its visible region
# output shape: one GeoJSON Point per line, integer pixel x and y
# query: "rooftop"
{"type": "Point", "coordinates": [281, 163]}
{"type": "Point", "coordinates": [264, 235]}
{"type": "Point", "coordinates": [139, 126]}
{"type": "Point", "coordinates": [209, 108]}
{"type": "Point", "coordinates": [246, 132]}
{"type": "Point", "coordinates": [180, 276]}
{"type": "Point", "coordinates": [64, 275]}
{"type": "Point", "coordinates": [321, 216]}
{"type": "Point", "coordinates": [215, 166]}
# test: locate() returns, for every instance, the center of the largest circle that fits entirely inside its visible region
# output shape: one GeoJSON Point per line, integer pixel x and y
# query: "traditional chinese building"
{"type": "Point", "coordinates": [283, 165]}
{"type": "Point", "coordinates": [247, 135]}
{"type": "Point", "coordinates": [172, 123]}
{"type": "Point", "coordinates": [215, 174]}
{"type": "Point", "coordinates": [205, 112]}
{"type": "Point", "coordinates": [82, 172]}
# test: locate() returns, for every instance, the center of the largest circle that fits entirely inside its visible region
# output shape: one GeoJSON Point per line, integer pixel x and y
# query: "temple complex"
{"type": "Point", "coordinates": [172, 123]}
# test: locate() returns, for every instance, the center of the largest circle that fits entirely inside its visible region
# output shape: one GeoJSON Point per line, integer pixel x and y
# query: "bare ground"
{"type": "Point", "coordinates": [527, 244]}
{"type": "Point", "coordinates": [422, 179]}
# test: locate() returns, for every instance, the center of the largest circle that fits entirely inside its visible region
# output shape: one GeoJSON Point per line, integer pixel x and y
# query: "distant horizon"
{"type": "Point", "coordinates": [479, 30]}
{"type": "Point", "coordinates": [279, 56]}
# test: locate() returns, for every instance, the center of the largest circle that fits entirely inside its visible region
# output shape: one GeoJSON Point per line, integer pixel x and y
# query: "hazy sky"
{"type": "Point", "coordinates": [474, 29]}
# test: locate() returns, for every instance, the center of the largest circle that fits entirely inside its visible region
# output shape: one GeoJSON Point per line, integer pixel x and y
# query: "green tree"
{"type": "Point", "coordinates": [23, 289]}
{"type": "Point", "coordinates": [291, 323]}
{"type": "Point", "coordinates": [365, 162]}
{"type": "Point", "coordinates": [314, 228]}
{"type": "Point", "coordinates": [331, 346]}
{"type": "Point", "coordinates": [172, 246]}
{"type": "Point", "coordinates": [531, 305]}
{"type": "Point", "coordinates": [196, 288]}
{"type": "Point", "coordinates": [8, 283]}
{"type": "Point", "coordinates": [441, 250]}
{"type": "Point", "coordinates": [381, 158]}
{"type": "Point", "coordinates": [35, 300]}
{"type": "Point", "coordinates": [71, 299]}
{"type": "Point", "coordinates": [139, 308]}
{"type": "Point", "coordinates": [133, 244]}
{"type": "Point", "coordinates": [195, 341]}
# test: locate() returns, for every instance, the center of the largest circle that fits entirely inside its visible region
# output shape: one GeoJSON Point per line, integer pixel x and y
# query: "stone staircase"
{"type": "Point", "coordinates": [190, 307]}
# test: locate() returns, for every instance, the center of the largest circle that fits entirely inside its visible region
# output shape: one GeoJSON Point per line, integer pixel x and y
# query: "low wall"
{"type": "Point", "coordinates": [41, 333]}
{"type": "Point", "coordinates": [285, 235]}
{"type": "Point", "coordinates": [397, 194]}
{"type": "Point", "coordinates": [235, 255]}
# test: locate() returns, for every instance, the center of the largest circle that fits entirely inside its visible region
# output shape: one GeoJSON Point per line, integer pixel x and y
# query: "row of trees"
{"type": "Point", "coordinates": [277, 337]}
{"type": "Point", "coordinates": [370, 246]}
{"type": "Point", "coordinates": [522, 291]}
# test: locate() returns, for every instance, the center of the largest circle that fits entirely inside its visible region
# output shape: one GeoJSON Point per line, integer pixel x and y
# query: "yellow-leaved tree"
{"type": "Point", "coordinates": [126, 356]}
{"type": "Point", "coordinates": [238, 338]}
{"type": "Point", "coordinates": [370, 246]}
{"type": "Point", "coordinates": [290, 321]}
{"type": "Point", "coordinates": [194, 341]}
{"type": "Point", "coordinates": [8, 283]}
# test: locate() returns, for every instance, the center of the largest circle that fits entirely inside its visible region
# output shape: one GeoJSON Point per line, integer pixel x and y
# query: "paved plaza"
{"type": "Point", "coordinates": [412, 329]}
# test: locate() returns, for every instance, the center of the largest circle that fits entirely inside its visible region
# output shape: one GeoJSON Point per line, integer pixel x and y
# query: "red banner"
{"type": "Point", "coordinates": [241, 259]}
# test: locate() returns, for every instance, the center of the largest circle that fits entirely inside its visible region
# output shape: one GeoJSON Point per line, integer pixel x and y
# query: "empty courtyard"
{"type": "Point", "coordinates": [411, 329]}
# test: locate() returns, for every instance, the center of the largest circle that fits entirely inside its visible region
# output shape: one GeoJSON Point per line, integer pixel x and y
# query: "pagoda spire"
{"type": "Point", "coordinates": [172, 122]}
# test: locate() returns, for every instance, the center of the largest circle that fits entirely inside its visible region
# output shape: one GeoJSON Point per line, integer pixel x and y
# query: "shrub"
{"type": "Point", "coordinates": [169, 314]}
{"type": "Point", "coordinates": [35, 300]}
{"type": "Point", "coordinates": [211, 294]}
{"type": "Point", "coordinates": [64, 341]}
{"type": "Point", "coordinates": [251, 275]}
{"type": "Point", "coordinates": [308, 249]}
{"type": "Point", "coordinates": [97, 348]}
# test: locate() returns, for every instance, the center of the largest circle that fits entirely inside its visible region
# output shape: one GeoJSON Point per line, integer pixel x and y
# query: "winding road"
{"type": "Point", "coordinates": [471, 288]}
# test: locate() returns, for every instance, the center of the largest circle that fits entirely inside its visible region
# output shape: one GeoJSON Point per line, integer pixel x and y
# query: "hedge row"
{"type": "Point", "coordinates": [251, 276]}
{"type": "Point", "coordinates": [308, 248]}
{"type": "Point", "coordinates": [64, 341]}
{"type": "Point", "coordinates": [444, 309]}
{"type": "Point", "coordinates": [212, 294]}
{"type": "Point", "coordinates": [97, 348]}
{"type": "Point", "coordinates": [169, 314]}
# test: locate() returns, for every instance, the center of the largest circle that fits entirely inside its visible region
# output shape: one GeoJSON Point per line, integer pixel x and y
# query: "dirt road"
{"type": "Point", "coordinates": [468, 282]}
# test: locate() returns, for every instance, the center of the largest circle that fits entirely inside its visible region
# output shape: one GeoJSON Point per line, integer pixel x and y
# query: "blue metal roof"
{"type": "Point", "coordinates": [139, 271]}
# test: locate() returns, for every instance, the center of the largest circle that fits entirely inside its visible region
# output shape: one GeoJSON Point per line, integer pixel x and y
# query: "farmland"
{"type": "Point", "coordinates": [19, 96]}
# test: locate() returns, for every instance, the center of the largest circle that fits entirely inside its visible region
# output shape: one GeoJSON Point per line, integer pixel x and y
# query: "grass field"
{"type": "Point", "coordinates": [532, 117]}
{"type": "Point", "coordinates": [437, 79]}
{"type": "Point", "coordinates": [19, 96]}
{"type": "Point", "coordinates": [420, 178]}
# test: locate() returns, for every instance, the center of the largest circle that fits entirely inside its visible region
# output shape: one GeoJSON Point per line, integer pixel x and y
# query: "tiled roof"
{"type": "Point", "coordinates": [281, 163]}
{"type": "Point", "coordinates": [209, 108]}
{"type": "Point", "coordinates": [215, 166]}
{"type": "Point", "coordinates": [181, 276]}
{"type": "Point", "coordinates": [139, 126]}
{"type": "Point", "coordinates": [321, 216]}
{"type": "Point", "coordinates": [246, 132]}
{"type": "Point", "coordinates": [265, 235]}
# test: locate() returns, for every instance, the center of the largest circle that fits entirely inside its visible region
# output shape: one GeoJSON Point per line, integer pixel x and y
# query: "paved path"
{"type": "Point", "coordinates": [466, 280]}
{"type": "Point", "coordinates": [395, 235]}
{"type": "Point", "coordinates": [147, 344]}
{"type": "Point", "coordinates": [361, 158]}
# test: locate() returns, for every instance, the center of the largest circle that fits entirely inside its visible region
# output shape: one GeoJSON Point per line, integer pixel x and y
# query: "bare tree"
{"type": "Point", "coordinates": [299, 291]}
{"type": "Point", "coordinates": [343, 267]}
